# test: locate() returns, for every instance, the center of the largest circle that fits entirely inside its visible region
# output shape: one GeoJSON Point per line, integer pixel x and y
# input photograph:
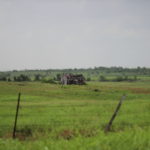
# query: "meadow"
{"type": "Point", "coordinates": [73, 117]}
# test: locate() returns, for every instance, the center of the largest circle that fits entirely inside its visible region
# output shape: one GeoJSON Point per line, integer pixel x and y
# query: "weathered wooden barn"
{"type": "Point", "coordinates": [72, 79]}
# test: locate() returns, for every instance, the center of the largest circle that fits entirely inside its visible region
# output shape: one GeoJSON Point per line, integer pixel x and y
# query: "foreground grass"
{"type": "Point", "coordinates": [136, 138]}
{"type": "Point", "coordinates": [74, 117]}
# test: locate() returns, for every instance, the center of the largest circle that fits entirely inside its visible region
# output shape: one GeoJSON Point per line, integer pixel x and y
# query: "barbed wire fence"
{"type": "Point", "coordinates": [54, 120]}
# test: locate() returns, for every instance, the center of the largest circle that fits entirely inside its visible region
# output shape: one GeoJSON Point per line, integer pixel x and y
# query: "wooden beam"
{"type": "Point", "coordinates": [108, 127]}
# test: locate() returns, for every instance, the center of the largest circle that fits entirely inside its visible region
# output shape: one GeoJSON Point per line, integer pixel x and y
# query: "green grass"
{"type": "Point", "coordinates": [73, 117]}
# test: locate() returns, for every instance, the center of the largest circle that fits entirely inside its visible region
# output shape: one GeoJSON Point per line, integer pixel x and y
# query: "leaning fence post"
{"type": "Point", "coordinates": [16, 117]}
{"type": "Point", "coordinates": [115, 113]}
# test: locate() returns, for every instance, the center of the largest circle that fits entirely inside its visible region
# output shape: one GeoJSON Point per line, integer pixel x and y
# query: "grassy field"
{"type": "Point", "coordinates": [73, 117]}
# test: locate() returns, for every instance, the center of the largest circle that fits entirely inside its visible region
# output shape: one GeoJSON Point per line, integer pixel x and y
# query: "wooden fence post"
{"type": "Point", "coordinates": [108, 127]}
{"type": "Point", "coordinates": [16, 117]}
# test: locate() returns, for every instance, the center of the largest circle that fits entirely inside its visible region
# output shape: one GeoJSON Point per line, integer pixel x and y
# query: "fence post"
{"type": "Point", "coordinates": [115, 113]}
{"type": "Point", "coordinates": [16, 117]}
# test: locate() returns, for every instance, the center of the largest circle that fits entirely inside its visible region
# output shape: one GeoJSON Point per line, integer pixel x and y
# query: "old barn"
{"type": "Point", "coordinates": [73, 79]}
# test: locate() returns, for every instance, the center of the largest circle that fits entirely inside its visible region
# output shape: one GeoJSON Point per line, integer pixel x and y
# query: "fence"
{"type": "Point", "coordinates": [55, 115]}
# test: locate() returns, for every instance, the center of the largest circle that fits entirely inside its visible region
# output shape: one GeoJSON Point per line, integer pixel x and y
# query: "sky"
{"type": "Point", "coordinates": [52, 34]}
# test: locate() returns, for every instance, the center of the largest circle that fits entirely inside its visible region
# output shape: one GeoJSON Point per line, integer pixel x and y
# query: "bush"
{"type": "Point", "coordinates": [21, 78]}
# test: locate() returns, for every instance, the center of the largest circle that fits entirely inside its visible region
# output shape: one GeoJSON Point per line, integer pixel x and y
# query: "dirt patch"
{"type": "Point", "coordinates": [67, 134]}
{"type": "Point", "coordinates": [139, 90]}
{"type": "Point", "coordinates": [21, 134]}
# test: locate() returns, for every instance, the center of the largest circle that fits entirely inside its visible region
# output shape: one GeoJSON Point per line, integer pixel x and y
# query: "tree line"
{"type": "Point", "coordinates": [98, 74]}
{"type": "Point", "coordinates": [57, 78]}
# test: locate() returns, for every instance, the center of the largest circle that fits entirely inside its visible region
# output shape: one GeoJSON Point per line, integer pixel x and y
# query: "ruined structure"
{"type": "Point", "coordinates": [72, 79]}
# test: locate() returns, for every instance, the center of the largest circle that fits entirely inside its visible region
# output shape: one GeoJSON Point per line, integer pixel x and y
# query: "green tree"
{"type": "Point", "coordinates": [102, 78]}
{"type": "Point", "coordinates": [58, 77]}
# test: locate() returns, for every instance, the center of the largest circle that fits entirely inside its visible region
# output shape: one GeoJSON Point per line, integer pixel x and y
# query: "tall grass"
{"type": "Point", "coordinates": [74, 117]}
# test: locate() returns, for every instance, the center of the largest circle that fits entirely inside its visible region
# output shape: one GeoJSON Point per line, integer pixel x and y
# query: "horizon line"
{"type": "Point", "coordinates": [73, 68]}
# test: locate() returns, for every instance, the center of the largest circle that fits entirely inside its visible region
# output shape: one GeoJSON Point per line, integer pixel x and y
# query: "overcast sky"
{"type": "Point", "coordinates": [42, 34]}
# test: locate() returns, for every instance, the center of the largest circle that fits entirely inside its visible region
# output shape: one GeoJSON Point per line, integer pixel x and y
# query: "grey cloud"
{"type": "Point", "coordinates": [83, 33]}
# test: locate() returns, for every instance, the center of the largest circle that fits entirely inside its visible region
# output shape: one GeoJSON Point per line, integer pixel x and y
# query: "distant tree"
{"type": "Point", "coordinates": [88, 79]}
{"type": "Point", "coordinates": [135, 78]}
{"type": "Point", "coordinates": [15, 78]}
{"type": "Point", "coordinates": [3, 79]}
{"type": "Point", "coordinates": [58, 77]}
{"type": "Point", "coordinates": [102, 78]}
{"type": "Point", "coordinates": [9, 80]}
{"type": "Point", "coordinates": [119, 78]}
{"type": "Point", "coordinates": [126, 78]}
{"type": "Point", "coordinates": [55, 79]}
{"type": "Point", "coordinates": [37, 77]}
{"type": "Point", "coordinates": [21, 78]}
